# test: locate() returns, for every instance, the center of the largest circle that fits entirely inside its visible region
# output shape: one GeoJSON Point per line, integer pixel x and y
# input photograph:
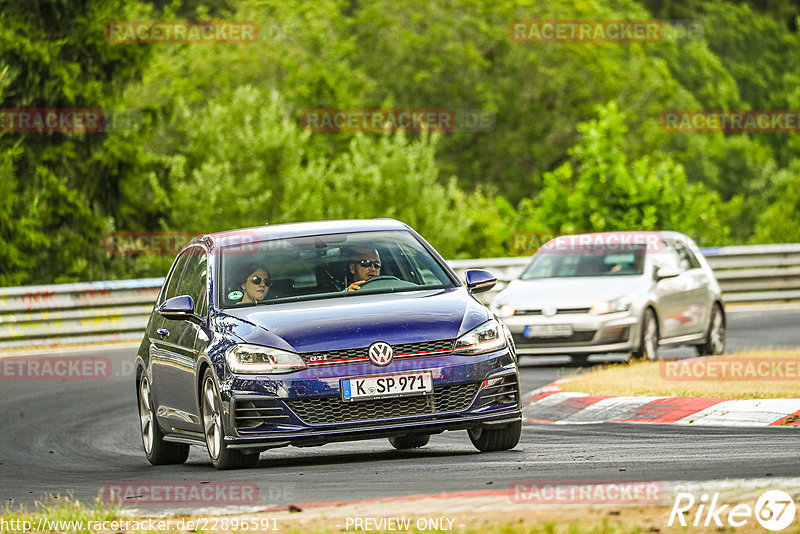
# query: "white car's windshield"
{"type": "Point", "coordinates": [326, 266]}
{"type": "Point", "coordinates": [586, 261]}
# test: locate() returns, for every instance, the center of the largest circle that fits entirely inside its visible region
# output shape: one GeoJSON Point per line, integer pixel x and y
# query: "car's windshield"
{"type": "Point", "coordinates": [585, 261]}
{"type": "Point", "coordinates": [326, 266]}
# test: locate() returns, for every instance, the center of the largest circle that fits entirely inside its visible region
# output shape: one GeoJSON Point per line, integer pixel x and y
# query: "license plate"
{"type": "Point", "coordinates": [381, 386]}
{"type": "Point", "coordinates": [548, 330]}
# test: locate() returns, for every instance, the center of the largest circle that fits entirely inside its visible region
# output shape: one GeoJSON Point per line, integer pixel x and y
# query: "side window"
{"type": "Point", "coordinates": [687, 259]}
{"type": "Point", "coordinates": [171, 284]}
{"type": "Point", "coordinates": [667, 258]}
{"type": "Point", "coordinates": [193, 281]}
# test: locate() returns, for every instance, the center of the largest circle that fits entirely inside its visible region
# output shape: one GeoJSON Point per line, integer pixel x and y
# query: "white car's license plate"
{"type": "Point", "coordinates": [394, 385]}
{"type": "Point", "coordinates": [548, 330]}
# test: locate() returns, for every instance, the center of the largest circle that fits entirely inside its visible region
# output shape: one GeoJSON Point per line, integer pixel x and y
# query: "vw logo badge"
{"type": "Point", "coordinates": [381, 353]}
{"type": "Point", "coordinates": [549, 311]}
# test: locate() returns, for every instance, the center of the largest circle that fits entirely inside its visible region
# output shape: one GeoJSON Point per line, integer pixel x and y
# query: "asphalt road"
{"type": "Point", "coordinates": [79, 436]}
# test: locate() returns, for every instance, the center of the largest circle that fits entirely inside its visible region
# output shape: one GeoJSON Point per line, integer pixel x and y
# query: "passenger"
{"type": "Point", "coordinates": [256, 285]}
{"type": "Point", "coordinates": [366, 264]}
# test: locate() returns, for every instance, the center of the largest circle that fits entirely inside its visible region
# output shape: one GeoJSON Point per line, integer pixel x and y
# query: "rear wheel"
{"type": "Point", "coordinates": [648, 347]}
{"type": "Point", "coordinates": [221, 456]}
{"type": "Point", "coordinates": [158, 451]}
{"type": "Point", "coordinates": [715, 335]}
{"type": "Point", "coordinates": [409, 441]}
{"type": "Point", "coordinates": [496, 439]}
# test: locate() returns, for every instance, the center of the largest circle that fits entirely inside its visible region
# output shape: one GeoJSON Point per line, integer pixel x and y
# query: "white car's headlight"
{"type": "Point", "coordinates": [254, 359]}
{"type": "Point", "coordinates": [506, 311]}
{"type": "Point", "coordinates": [611, 306]}
{"type": "Point", "coordinates": [484, 338]}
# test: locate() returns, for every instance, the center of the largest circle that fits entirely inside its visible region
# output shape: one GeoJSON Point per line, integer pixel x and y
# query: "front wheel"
{"type": "Point", "coordinates": [715, 335]}
{"type": "Point", "coordinates": [221, 456]}
{"type": "Point", "coordinates": [648, 347]}
{"type": "Point", "coordinates": [158, 451]}
{"type": "Point", "coordinates": [496, 439]}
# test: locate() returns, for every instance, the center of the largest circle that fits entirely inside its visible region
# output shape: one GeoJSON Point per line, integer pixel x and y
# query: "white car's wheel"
{"type": "Point", "coordinates": [715, 335]}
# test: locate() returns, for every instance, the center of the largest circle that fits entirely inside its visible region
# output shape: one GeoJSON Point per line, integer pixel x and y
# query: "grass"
{"type": "Point", "coordinates": [663, 378]}
{"type": "Point", "coordinates": [612, 519]}
{"type": "Point", "coordinates": [64, 511]}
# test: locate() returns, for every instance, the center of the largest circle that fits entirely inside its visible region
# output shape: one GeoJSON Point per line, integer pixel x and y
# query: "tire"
{"type": "Point", "coordinates": [648, 345]}
{"type": "Point", "coordinates": [409, 441]}
{"type": "Point", "coordinates": [580, 360]}
{"type": "Point", "coordinates": [221, 456]}
{"type": "Point", "coordinates": [714, 343]}
{"type": "Point", "coordinates": [158, 451]}
{"type": "Point", "coordinates": [496, 439]}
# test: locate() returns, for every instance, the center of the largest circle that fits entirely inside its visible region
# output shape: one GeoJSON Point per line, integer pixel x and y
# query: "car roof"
{"type": "Point", "coordinates": [664, 234]}
{"type": "Point", "coordinates": [300, 229]}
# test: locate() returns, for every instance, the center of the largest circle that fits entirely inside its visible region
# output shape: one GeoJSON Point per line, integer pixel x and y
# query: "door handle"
{"type": "Point", "coordinates": [163, 332]}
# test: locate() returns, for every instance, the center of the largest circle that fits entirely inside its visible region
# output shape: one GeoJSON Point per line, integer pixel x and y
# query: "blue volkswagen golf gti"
{"type": "Point", "coordinates": [310, 333]}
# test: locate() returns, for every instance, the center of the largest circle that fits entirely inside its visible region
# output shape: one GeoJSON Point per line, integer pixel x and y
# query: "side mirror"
{"type": "Point", "coordinates": [179, 308]}
{"type": "Point", "coordinates": [479, 280]}
{"type": "Point", "coordinates": [667, 272]}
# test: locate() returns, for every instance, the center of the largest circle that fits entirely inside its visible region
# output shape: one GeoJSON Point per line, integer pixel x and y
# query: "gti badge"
{"type": "Point", "coordinates": [381, 353]}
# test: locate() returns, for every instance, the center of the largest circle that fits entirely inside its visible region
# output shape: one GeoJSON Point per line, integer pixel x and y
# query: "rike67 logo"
{"type": "Point", "coordinates": [774, 510]}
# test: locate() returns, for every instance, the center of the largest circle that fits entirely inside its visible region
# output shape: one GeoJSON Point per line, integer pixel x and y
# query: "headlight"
{"type": "Point", "coordinates": [485, 338]}
{"type": "Point", "coordinates": [254, 359]}
{"type": "Point", "coordinates": [610, 306]}
{"type": "Point", "coordinates": [506, 311]}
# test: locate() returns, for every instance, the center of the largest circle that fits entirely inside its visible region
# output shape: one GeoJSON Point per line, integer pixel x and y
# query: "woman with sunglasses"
{"type": "Point", "coordinates": [256, 285]}
{"type": "Point", "coordinates": [366, 264]}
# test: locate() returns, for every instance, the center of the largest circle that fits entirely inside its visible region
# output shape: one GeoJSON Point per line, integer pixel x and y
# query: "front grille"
{"type": "Point", "coordinates": [577, 337]}
{"type": "Point", "coordinates": [363, 352]}
{"type": "Point", "coordinates": [331, 410]}
{"type": "Point", "coordinates": [560, 311]}
{"type": "Point", "coordinates": [249, 414]}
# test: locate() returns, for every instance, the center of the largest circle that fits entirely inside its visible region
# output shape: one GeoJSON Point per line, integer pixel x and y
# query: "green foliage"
{"type": "Point", "coordinates": [599, 190]}
{"type": "Point", "coordinates": [283, 178]}
{"type": "Point", "coordinates": [220, 147]}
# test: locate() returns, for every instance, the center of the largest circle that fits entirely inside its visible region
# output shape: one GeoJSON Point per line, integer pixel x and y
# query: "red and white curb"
{"type": "Point", "coordinates": [550, 404]}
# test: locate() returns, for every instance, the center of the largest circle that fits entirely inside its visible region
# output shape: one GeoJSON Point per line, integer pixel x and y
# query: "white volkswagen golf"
{"type": "Point", "coordinates": [614, 292]}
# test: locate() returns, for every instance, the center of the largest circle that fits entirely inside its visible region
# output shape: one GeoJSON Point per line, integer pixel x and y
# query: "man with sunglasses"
{"type": "Point", "coordinates": [366, 264]}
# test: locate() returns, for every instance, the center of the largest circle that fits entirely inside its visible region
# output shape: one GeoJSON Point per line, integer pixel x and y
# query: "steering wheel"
{"type": "Point", "coordinates": [379, 278]}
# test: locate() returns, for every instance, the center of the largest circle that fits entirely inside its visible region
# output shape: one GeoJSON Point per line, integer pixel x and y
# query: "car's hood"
{"type": "Point", "coordinates": [356, 321]}
{"type": "Point", "coordinates": [577, 292]}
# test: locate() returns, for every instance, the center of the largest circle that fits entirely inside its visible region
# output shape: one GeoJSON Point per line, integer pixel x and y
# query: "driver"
{"type": "Point", "coordinates": [366, 264]}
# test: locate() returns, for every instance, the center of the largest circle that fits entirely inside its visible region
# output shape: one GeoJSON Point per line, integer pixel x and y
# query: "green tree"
{"type": "Point", "coordinates": [600, 190]}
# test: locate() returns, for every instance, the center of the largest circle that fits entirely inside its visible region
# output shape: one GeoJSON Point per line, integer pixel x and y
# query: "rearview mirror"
{"type": "Point", "coordinates": [667, 272]}
{"type": "Point", "coordinates": [179, 308]}
{"type": "Point", "coordinates": [479, 280]}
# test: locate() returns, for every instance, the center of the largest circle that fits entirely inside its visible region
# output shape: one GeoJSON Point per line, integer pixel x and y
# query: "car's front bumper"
{"type": "Point", "coordinates": [305, 408]}
{"type": "Point", "coordinates": [612, 332]}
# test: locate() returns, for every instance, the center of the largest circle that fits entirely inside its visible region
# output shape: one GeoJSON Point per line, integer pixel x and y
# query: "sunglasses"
{"type": "Point", "coordinates": [257, 281]}
{"type": "Point", "coordinates": [367, 263]}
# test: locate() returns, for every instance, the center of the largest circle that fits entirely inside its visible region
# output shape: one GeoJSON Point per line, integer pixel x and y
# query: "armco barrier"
{"type": "Point", "coordinates": [96, 312]}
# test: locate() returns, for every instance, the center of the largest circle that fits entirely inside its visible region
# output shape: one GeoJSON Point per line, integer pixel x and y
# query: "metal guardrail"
{"type": "Point", "coordinates": [98, 312]}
